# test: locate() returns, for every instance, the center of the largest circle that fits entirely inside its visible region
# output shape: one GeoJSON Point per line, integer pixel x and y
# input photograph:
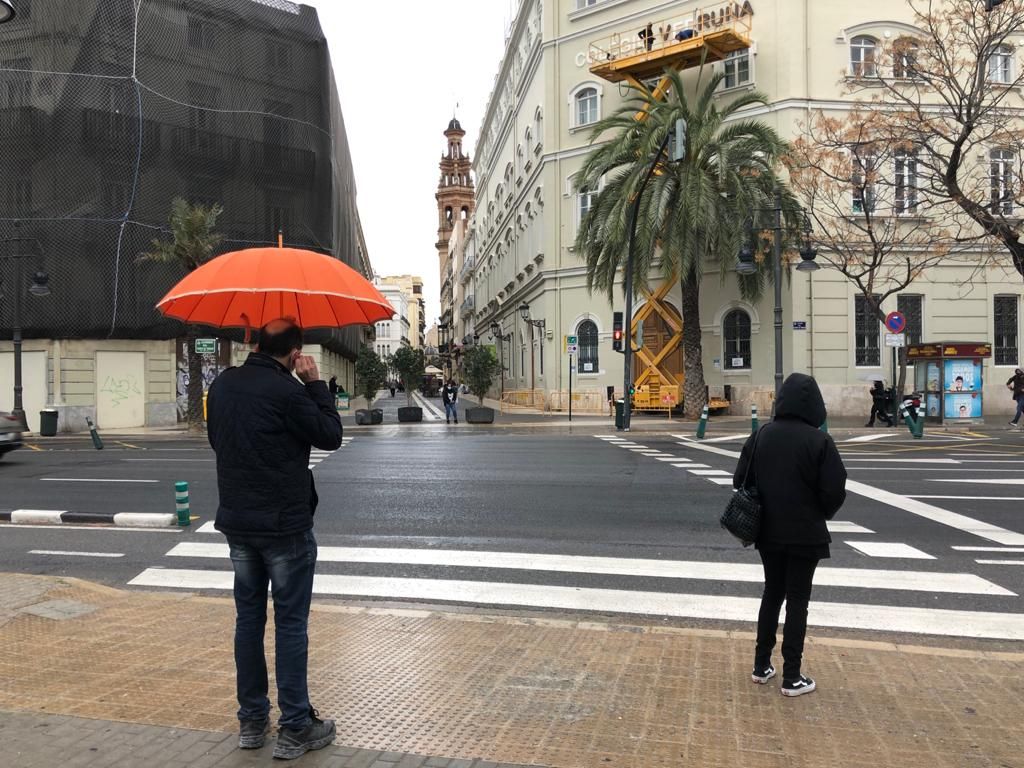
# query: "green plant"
{"type": "Point", "coordinates": [370, 374]}
{"type": "Point", "coordinates": [411, 365]}
{"type": "Point", "coordinates": [479, 367]}
{"type": "Point", "coordinates": [192, 243]}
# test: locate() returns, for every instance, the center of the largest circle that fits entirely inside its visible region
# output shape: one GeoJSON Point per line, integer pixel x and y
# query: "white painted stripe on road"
{"type": "Point", "coordinates": [207, 527]}
{"type": "Point", "coordinates": [919, 508]}
{"type": "Point", "coordinates": [670, 458]}
{"type": "Point", "coordinates": [65, 553]}
{"type": "Point", "coordinates": [864, 578]}
{"type": "Point", "coordinates": [144, 519]}
{"type": "Point", "coordinates": [66, 527]}
{"type": "Point", "coordinates": [710, 473]}
{"type": "Point", "coordinates": [968, 498]}
{"type": "Point", "coordinates": [91, 480]}
{"type": "Point", "coordinates": [430, 411]}
{"type": "Point", "coordinates": [1009, 550]}
{"type": "Point", "coordinates": [721, 480]}
{"type": "Point", "coordinates": [692, 466]}
{"type": "Point", "coordinates": [907, 461]}
{"type": "Point", "coordinates": [867, 438]}
{"type": "Point", "coordinates": [925, 621]}
{"type": "Point", "coordinates": [889, 549]}
{"type": "Point", "coordinates": [985, 480]}
{"type": "Point", "coordinates": [1000, 562]}
{"type": "Point", "coordinates": [844, 526]}
{"type": "Point", "coordinates": [727, 438]}
{"type": "Point", "coordinates": [37, 516]}
{"type": "Point", "coordinates": [710, 449]}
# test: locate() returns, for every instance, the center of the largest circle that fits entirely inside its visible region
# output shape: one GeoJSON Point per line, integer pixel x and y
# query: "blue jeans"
{"type": "Point", "coordinates": [450, 411]}
{"type": "Point", "coordinates": [1020, 409]}
{"type": "Point", "coordinates": [286, 564]}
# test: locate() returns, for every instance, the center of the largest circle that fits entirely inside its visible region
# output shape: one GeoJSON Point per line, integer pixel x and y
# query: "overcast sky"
{"type": "Point", "coordinates": [400, 77]}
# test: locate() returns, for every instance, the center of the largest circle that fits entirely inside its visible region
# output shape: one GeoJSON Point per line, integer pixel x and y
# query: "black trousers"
{"type": "Point", "coordinates": [786, 578]}
{"type": "Point", "coordinates": [881, 412]}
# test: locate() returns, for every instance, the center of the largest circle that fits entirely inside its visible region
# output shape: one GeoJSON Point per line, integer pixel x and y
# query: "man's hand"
{"type": "Point", "coordinates": [306, 370]}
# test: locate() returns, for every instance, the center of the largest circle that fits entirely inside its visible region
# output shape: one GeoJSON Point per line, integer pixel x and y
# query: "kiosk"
{"type": "Point", "coordinates": [948, 374]}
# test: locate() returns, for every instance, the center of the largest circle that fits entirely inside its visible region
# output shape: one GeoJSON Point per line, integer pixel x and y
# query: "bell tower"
{"type": "Point", "coordinates": [455, 205]}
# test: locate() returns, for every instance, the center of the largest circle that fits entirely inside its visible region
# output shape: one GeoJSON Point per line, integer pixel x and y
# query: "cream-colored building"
{"type": "Point", "coordinates": [412, 288]}
{"type": "Point", "coordinates": [535, 135]}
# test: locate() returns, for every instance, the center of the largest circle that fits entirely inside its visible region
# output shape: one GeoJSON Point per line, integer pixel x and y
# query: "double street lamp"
{"type": "Point", "coordinates": [40, 287]}
{"type": "Point", "coordinates": [524, 312]}
{"type": "Point", "coordinates": [745, 266]}
{"type": "Point", "coordinates": [502, 338]}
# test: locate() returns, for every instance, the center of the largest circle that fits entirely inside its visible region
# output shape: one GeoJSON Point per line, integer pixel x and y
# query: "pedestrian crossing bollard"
{"type": "Point", "coordinates": [97, 443]}
{"type": "Point", "coordinates": [916, 426]}
{"type": "Point", "coordinates": [702, 425]}
{"type": "Point", "coordinates": [753, 419]}
{"type": "Point", "coordinates": [181, 503]}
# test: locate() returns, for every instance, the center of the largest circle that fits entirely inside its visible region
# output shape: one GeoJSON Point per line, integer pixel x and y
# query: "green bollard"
{"type": "Point", "coordinates": [181, 503]}
{"type": "Point", "coordinates": [97, 443]}
{"type": "Point", "coordinates": [753, 419]}
{"type": "Point", "coordinates": [919, 425]}
{"type": "Point", "coordinates": [911, 423]}
{"type": "Point", "coordinates": [702, 425]}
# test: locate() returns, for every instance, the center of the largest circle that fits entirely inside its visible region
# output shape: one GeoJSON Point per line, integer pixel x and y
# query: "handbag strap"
{"type": "Point", "coordinates": [750, 461]}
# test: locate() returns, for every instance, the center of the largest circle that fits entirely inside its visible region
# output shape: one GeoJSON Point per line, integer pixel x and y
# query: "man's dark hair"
{"type": "Point", "coordinates": [281, 342]}
{"type": "Point", "coordinates": [959, 378]}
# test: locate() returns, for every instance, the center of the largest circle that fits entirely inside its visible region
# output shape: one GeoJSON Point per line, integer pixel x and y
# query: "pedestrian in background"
{"type": "Point", "coordinates": [801, 482]}
{"type": "Point", "coordinates": [332, 385]}
{"type": "Point", "coordinates": [1016, 385]}
{"type": "Point", "coordinates": [879, 405]}
{"type": "Point", "coordinates": [262, 424]}
{"type": "Point", "coordinates": [450, 396]}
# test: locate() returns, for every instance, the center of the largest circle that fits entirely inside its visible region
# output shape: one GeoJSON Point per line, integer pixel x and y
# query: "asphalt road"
{"type": "Point", "coordinates": [513, 516]}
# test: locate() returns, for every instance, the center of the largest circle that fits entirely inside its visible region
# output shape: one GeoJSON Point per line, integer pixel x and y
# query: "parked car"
{"type": "Point", "coordinates": [10, 433]}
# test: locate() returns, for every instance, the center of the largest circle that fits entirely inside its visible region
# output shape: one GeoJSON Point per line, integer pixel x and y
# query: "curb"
{"type": "Point", "coordinates": [57, 517]}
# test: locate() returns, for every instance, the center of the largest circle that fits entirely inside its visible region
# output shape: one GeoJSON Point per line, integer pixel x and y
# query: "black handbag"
{"type": "Point", "coordinates": [742, 515]}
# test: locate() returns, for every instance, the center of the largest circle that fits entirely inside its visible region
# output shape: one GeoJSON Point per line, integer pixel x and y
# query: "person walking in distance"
{"type": "Point", "coordinates": [262, 424]}
{"type": "Point", "coordinates": [879, 405]}
{"type": "Point", "coordinates": [1016, 385]}
{"type": "Point", "coordinates": [801, 481]}
{"type": "Point", "coordinates": [450, 396]}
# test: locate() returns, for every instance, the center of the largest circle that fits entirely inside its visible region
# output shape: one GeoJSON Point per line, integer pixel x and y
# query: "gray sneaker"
{"type": "Point", "coordinates": [292, 743]}
{"type": "Point", "coordinates": [252, 733]}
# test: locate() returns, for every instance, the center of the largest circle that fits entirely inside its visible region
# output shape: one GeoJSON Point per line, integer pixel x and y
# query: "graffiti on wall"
{"type": "Point", "coordinates": [120, 389]}
{"type": "Point", "coordinates": [212, 366]}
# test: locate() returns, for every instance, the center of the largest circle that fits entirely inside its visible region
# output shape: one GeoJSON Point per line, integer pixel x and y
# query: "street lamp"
{"type": "Point", "coordinates": [40, 287]}
{"type": "Point", "coordinates": [745, 266]}
{"type": "Point", "coordinates": [502, 338]}
{"type": "Point", "coordinates": [6, 11]}
{"type": "Point", "coordinates": [524, 312]}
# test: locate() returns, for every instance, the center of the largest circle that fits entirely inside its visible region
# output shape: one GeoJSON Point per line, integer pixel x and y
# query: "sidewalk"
{"type": "Point", "coordinates": [106, 677]}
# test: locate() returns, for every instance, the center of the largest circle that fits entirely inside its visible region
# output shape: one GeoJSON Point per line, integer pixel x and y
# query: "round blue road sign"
{"type": "Point", "coordinates": [895, 322]}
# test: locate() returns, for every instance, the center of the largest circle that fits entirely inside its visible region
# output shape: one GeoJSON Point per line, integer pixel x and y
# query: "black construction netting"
{"type": "Point", "coordinates": [109, 109]}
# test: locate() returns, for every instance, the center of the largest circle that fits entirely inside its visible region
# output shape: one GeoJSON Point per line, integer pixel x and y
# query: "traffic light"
{"type": "Point", "coordinates": [632, 389]}
{"type": "Point", "coordinates": [617, 331]}
{"type": "Point", "coordinates": [990, 4]}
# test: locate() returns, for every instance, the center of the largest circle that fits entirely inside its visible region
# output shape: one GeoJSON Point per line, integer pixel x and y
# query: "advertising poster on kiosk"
{"type": "Point", "coordinates": [963, 387]}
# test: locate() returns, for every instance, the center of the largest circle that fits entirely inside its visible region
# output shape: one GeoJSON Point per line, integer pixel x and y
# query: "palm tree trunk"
{"type": "Point", "coordinates": [694, 389]}
{"type": "Point", "coordinates": [195, 382]}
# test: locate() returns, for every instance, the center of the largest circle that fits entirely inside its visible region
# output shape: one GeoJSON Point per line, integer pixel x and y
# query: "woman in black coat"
{"type": "Point", "coordinates": [802, 483]}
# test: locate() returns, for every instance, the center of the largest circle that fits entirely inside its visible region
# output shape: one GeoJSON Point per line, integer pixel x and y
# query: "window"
{"type": "Point", "coordinates": [279, 56]}
{"type": "Point", "coordinates": [906, 182]}
{"type": "Point", "coordinates": [1005, 314]}
{"type": "Point", "coordinates": [585, 200]}
{"type": "Point", "coordinates": [587, 109]}
{"type": "Point", "coordinates": [736, 331]}
{"type": "Point", "coordinates": [1001, 180]}
{"type": "Point", "coordinates": [904, 58]}
{"type": "Point", "coordinates": [737, 68]}
{"type": "Point", "coordinates": [863, 179]}
{"type": "Point", "coordinates": [199, 34]}
{"type": "Point", "coordinates": [910, 306]}
{"type": "Point", "coordinates": [866, 330]}
{"type": "Point", "coordinates": [863, 56]}
{"type": "Point", "coordinates": [999, 65]}
{"type": "Point", "coordinates": [586, 337]}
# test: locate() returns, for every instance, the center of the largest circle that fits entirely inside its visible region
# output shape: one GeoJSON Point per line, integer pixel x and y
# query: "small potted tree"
{"type": "Point", "coordinates": [410, 364]}
{"type": "Point", "coordinates": [479, 367]}
{"type": "Point", "coordinates": [370, 377]}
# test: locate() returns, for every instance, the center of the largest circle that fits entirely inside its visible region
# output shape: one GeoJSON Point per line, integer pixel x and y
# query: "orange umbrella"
{"type": "Point", "coordinates": [249, 288]}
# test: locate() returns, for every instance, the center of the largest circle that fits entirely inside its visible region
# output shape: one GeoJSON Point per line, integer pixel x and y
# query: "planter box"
{"type": "Point", "coordinates": [409, 414]}
{"type": "Point", "coordinates": [480, 415]}
{"type": "Point", "coordinates": [365, 417]}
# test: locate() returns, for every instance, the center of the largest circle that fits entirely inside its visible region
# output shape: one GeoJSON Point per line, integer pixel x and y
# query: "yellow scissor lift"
{"type": "Point", "coordinates": [636, 56]}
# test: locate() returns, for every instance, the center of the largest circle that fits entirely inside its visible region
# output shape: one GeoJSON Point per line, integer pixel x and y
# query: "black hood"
{"type": "Point", "coordinates": [801, 399]}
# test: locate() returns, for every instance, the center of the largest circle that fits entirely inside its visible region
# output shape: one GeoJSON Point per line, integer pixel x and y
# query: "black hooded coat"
{"type": "Point", "coordinates": [798, 472]}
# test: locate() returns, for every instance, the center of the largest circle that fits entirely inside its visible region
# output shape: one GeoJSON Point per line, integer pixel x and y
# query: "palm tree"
{"type": "Point", "coordinates": [691, 213]}
{"type": "Point", "coordinates": [192, 243]}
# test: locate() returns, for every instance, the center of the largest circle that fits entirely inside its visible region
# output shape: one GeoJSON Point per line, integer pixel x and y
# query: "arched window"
{"type": "Point", "coordinates": [736, 331]}
{"type": "Point", "coordinates": [1000, 65]}
{"type": "Point", "coordinates": [587, 107]}
{"type": "Point", "coordinates": [863, 55]}
{"type": "Point", "coordinates": [586, 337]}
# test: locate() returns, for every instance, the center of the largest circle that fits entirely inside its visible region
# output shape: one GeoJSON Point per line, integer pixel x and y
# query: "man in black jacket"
{"type": "Point", "coordinates": [801, 481]}
{"type": "Point", "coordinates": [262, 422]}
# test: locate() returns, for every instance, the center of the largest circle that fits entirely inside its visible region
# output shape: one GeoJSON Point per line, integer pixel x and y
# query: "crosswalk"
{"type": "Point", "coordinates": [316, 455]}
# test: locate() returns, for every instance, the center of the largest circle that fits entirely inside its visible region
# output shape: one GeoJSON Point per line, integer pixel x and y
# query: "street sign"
{"type": "Point", "coordinates": [799, 325]}
{"type": "Point", "coordinates": [571, 345]}
{"type": "Point", "coordinates": [895, 322]}
{"type": "Point", "coordinates": [895, 339]}
{"type": "Point", "coordinates": [206, 346]}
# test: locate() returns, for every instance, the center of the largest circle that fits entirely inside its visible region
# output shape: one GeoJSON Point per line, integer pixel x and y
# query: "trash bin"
{"type": "Point", "coordinates": [48, 422]}
{"type": "Point", "coordinates": [619, 405]}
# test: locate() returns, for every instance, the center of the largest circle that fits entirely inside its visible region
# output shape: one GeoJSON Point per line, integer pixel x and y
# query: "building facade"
{"type": "Point", "coordinates": [416, 315]}
{"type": "Point", "coordinates": [392, 334]}
{"type": "Point", "coordinates": [536, 133]}
{"type": "Point", "coordinates": [108, 114]}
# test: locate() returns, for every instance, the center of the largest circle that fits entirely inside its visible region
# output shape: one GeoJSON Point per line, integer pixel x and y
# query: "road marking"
{"type": "Point", "coordinates": [727, 438]}
{"type": "Point", "coordinates": [926, 621]}
{"type": "Point", "coordinates": [710, 449]}
{"type": "Point", "coordinates": [692, 466]}
{"type": "Point", "coordinates": [64, 553]}
{"type": "Point", "coordinates": [845, 527]}
{"type": "Point", "coordinates": [165, 461]}
{"type": "Point", "coordinates": [907, 461]}
{"type": "Point", "coordinates": [710, 473]}
{"type": "Point", "coordinates": [104, 529]}
{"type": "Point", "coordinates": [721, 480]}
{"type": "Point", "coordinates": [1009, 550]}
{"type": "Point", "coordinates": [1000, 562]}
{"type": "Point", "coordinates": [128, 445]}
{"type": "Point", "coordinates": [37, 516]}
{"type": "Point", "coordinates": [986, 480]}
{"type": "Point", "coordinates": [867, 438]}
{"type": "Point", "coordinates": [967, 498]}
{"type": "Point", "coordinates": [670, 458]}
{"type": "Point", "coordinates": [35, 448]}
{"type": "Point", "coordinates": [864, 578]}
{"type": "Point", "coordinates": [91, 480]}
{"type": "Point", "coordinates": [889, 549]}
{"type": "Point", "coordinates": [207, 527]}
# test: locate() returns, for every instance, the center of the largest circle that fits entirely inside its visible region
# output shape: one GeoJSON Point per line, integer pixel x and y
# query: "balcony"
{"type": "Point", "coordinates": [467, 306]}
{"type": "Point", "coordinates": [104, 131]}
{"type": "Point", "coordinates": [275, 161]}
{"type": "Point", "coordinates": [467, 271]}
{"type": "Point", "coordinates": [213, 150]}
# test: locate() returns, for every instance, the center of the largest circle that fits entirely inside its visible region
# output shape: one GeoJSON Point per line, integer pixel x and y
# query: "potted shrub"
{"type": "Point", "coordinates": [370, 377]}
{"type": "Point", "coordinates": [410, 364]}
{"type": "Point", "coordinates": [479, 367]}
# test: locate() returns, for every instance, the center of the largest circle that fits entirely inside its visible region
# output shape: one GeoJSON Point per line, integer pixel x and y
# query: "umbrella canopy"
{"type": "Point", "coordinates": [249, 288]}
{"type": "Point", "coordinates": [876, 376]}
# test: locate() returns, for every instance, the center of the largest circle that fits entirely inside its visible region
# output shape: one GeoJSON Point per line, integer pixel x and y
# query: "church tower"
{"type": "Point", "coordinates": [455, 204]}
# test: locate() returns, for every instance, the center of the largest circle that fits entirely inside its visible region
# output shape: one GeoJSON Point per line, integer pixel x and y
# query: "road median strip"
{"type": "Point", "coordinates": [61, 517]}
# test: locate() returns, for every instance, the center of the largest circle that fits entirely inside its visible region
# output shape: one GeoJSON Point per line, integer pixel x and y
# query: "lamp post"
{"type": "Point", "coordinates": [40, 287]}
{"type": "Point", "coordinates": [745, 266]}
{"type": "Point", "coordinates": [6, 11]}
{"type": "Point", "coordinates": [524, 312]}
{"type": "Point", "coordinates": [502, 338]}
